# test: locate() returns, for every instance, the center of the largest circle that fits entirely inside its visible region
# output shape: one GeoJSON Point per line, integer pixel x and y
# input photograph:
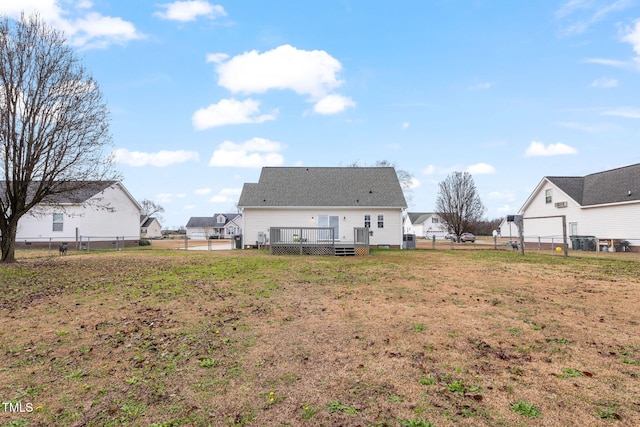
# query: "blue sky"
{"type": "Point", "coordinates": [203, 93]}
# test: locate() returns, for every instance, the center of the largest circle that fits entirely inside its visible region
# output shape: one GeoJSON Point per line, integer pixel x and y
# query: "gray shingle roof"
{"type": "Point", "coordinates": [419, 217]}
{"type": "Point", "coordinates": [68, 192]}
{"type": "Point", "coordinates": [612, 186]}
{"type": "Point", "coordinates": [210, 221]}
{"type": "Point", "coordinates": [324, 186]}
{"type": "Point", "coordinates": [201, 221]}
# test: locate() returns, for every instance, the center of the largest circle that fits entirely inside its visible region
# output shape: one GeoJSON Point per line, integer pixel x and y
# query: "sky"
{"type": "Point", "coordinates": [202, 94]}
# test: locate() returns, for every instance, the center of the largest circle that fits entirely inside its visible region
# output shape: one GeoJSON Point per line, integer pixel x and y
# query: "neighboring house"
{"type": "Point", "coordinates": [102, 213]}
{"type": "Point", "coordinates": [150, 228]}
{"type": "Point", "coordinates": [604, 204]}
{"type": "Point", "coordinates": [424, 225]}
{"type": "Point", "coordinates": [222, 226]}
{"type": "Point", "coordinates": [343, 198]}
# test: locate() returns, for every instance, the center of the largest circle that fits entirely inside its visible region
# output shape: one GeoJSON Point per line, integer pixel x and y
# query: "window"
{"type": "Point", "coordinates": [434, 220]}
{"type": "Point", "coordinates": [547, 195]}
{"type": "Point", "coordinates": [380, 220]}
{"type": "Point", "coordinates": [367, 221]}
{"type": "Point", "coordinates": [58, 221]}
{"type": "Point", "coordinates": [332, 221]}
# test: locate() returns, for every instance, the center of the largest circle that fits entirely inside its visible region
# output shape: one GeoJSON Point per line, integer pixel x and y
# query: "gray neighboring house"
{"type": "Point", "coordinates": [343, 198]}
{"type": "Point", "coordinates": [222, 226]}
{"type": "Point", "coordinates": [604, 204]}
{"type": "Point", "coordinates": [150, 227]}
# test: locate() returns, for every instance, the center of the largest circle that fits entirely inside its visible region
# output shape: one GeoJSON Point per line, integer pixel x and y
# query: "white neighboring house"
{"type": "Point", "coordinates": [150, 227]}
{"type": "Point", "coordinates": [424, 225]}
{"type": "Point", "coordinates": [101, 213]}
{"type": "Point", "coordinates": [343, 198]}
{"type": "Point", "coordinates": [222, 226]}
{"type": "Point", "coordinates": [604, 204]}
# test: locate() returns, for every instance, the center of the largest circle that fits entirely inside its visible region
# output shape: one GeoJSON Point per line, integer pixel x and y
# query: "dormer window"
{"type": "Point", "coordinates": [221, 219]}
{"type": "Point", "coordinates": [548, 195]}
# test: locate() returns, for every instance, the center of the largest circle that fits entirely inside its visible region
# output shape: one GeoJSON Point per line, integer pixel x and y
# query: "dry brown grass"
{"type": "Point", "coordinates": [245, 338]}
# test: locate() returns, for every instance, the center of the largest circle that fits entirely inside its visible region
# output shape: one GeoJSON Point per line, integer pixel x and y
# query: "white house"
{"type": "Point", "coordinates": [604, 204]}
{"type": "Point", "coordinates": [342, 198]}
{"type": "Point", "coordinates": [101, 213]}
{"type": "Point", "coordinates": [424, 225]}
{"type": "Point", "coordinates": [222, 226]}
{"type": "Point", "coordinates": [150, 227]}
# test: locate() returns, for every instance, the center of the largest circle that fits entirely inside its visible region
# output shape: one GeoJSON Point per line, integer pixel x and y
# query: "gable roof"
{"type": "Point", "coordinates": [69, 192]}
{"type": "Point", "coordinates": [227, 217]}
{"type": "Point", "coordinates": [611, 186]}
{"type": "Point", "coordinates": [419, 217]}
{"type": "Point", "coordinates": [146, 221]}
{"type": "Point", "coordinates": [201, 221]}
{"type": "Point", "coordinates": [324, 186]}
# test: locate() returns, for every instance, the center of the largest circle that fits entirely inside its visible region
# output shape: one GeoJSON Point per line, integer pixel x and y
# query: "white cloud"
{"type": "Point", "coordinates": [255, 153]}
{"type": "Point", "coordinates": [83, 27]}
{"type": "Point", "coordinates": [628, 112]}
{"type": "Point", "coordinates": [404, 125]}
{"type": "Point", "coordinates": [159, 159]}
{"type": "Point", "coordinates": [505, 209]}
{"type": "Point", "coordinates": [537, 149]}
{"type": "Point", "coordinates": [164, 197]}
{"type": "Point", "coordinates": [202, 191]}
{"type": "Point", "coordinates": [481, 169]}
{"type": "Point", "coordinates": [311, 73]}
{"type": "Point", "coordinates": [230, 112]}
{"type": "Point", "coordinates": [632, 36]}
{"type": "Point", "coordinates": [579, 15]}
{"type": "Point", "coordinates": [185, 11]}
{"type": "Point", "coordinates": [226, 195]}
{"type": "Point", "coordinates": [608, 62]}
{"type": "Point", "coordinates": [305, 72]}
{"type": "Point", "coordinates": [332, 104]}
{"type": "Point", "coordinates": [190, 207]}
{"type": "Point", "coordinates": [216, 58]}
{"type": "Point", "coordinates": [181, 195]}
{"type": "Point", "coordinates": [481, 86]}
{"type": "Point", "coordinates": [414, 183]}
{"type": "Point", "coordinates": [604, 82]}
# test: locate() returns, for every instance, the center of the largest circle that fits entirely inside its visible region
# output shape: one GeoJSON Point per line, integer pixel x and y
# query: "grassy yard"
{"type": "Point", "coordinates": [398, 338]}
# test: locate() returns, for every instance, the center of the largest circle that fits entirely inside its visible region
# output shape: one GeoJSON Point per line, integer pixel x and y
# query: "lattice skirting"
{"type": "Point", "coordinates": [295, 250]}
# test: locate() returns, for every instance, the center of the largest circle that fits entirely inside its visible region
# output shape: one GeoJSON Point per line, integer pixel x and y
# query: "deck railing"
{"type": "Point", "coordinates": [314, 241]}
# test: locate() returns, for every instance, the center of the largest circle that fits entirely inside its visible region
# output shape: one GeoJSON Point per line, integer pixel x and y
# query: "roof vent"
{"type": "Point", "coordinates": [370, 191]}
{"type": "Point", "coordinates": [629, 193]}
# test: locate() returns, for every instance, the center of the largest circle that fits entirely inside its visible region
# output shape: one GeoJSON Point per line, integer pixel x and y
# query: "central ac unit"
{"type": "Point", "coordinates": [561, 204]}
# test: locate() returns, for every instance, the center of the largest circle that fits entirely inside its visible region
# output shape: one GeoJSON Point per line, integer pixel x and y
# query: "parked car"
{"type": "Point", "coordinates": [467, 237]}
{"type": "Point", "coordinates": [450, 236]}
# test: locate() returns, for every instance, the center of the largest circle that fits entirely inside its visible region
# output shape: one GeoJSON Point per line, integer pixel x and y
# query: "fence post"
{"type": "Point", "coordinates": [49, 246]}
{"type": "Point", "coordinates": [88, 243]}
{"type": "Point", "coordinates": [185, 242]}
{"type": "Point", "coordinates": [116, 243]}
{"type": "Point", "coordinates": [540, 243]}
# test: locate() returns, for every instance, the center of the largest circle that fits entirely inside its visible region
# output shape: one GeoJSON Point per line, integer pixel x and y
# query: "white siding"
{"type": "Point", "coordinates": [605, 222]}
{"type": "Point", "coordinates": [256, 220]}
{"type": "Point", "coordinates": [109, 214]}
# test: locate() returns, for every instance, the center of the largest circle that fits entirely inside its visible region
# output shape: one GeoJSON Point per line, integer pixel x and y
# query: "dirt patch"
{"type": "Point", "coordinates": [245, 338]}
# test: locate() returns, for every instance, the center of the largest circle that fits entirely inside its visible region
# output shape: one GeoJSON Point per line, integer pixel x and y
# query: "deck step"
{"type": "Point", "coordinates": [344, 251]}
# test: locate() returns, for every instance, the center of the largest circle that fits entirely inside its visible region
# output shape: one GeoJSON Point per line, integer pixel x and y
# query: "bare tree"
{"type": "Point", "coordinates": [458, 203]}
{"type": "Point", "coordinates": [151, 208]}
{"type": "Point", "coordinates": [54, 124]}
